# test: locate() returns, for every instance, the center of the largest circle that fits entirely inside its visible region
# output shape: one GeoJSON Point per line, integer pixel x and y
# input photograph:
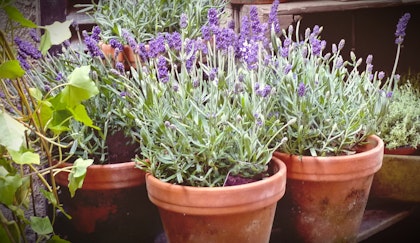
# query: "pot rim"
{"type": "Point", "coordinates": [336, 168]}
{"type": "Point", "coordinates": [218, 200]}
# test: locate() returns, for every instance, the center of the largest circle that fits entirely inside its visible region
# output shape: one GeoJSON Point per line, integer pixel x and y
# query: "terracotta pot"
{"type": "Point", "coordinates": [406, 150]}
{"type": "Point", "coordinates": [127, 57]}
{"type": "Point", "coordinates": [326, 196]}
{"type": "Point", "coordinates": [398, 179]}
{"type": "Point", "coordinates": [113, 199]}
{"type": "Point", "coordinates": [242, 213]}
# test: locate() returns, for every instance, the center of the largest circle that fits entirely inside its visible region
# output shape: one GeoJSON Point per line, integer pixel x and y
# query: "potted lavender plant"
{"type": "Point", "coordinates": [203, 113]}
{"type": "Point", "coordinates": [332, 152]}
{"type": "Point", "coordinates": [113, 196]}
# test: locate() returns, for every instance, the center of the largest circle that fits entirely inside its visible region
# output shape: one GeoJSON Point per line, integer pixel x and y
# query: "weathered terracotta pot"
{"type": "Point", "coordinates": [398, 179]}
{"type": "Point", "coordinates": [241, 213]}
{"type": "Point", "coordinates": [110, 206]}
{"type": "Point", "coordinates": [326, 196]}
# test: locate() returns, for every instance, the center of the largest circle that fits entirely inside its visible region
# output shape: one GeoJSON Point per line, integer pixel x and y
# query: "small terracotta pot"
{"type": "Point", "coordinates": [242, 213]}
{"type": "Point", "coordinates": [127, 57]}
{"type": "Point", "coordinates": [113, 199]}
{"type": "Point", "coordinates": [326, 196]}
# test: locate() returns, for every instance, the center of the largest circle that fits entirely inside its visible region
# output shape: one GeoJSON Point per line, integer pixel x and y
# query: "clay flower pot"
{"type": "Point", "coordinates": [326, 196]}
{"type": "Point", "coordinates": [127, 56]}
{"type": "Point", "coordinates": [113, 199]}
{"type": "Point", "coordinates": [241, 213]}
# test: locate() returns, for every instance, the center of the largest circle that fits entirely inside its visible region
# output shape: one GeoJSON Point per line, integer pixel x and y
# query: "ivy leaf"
{"type": "Point", "coordinates": [79, 88]}
{"type": "Point", "coordinates": [8, 186]}
{"type": "Point", "coordinates": [55, 34]}
{"type": "Point", "coordinates": [80, 114]}
{"type": "Point", "coordinates": [11, 69]}
{"type": "Point", "coordinates": [14, 14]}
{"type": "Point", "coordinates": [77, 174]}
{"type": "Point", "coordinates": [12, 132]}
{"type": "Point", "coordinates": [24, 156]}
{"type": "Point", "coordinates": [41, 225]}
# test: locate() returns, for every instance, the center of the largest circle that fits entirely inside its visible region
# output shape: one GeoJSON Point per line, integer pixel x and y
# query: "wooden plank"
{"type": "Point", "coordinates": [377, 220]}
{"type": "Point", "coordinates": [303, 7]}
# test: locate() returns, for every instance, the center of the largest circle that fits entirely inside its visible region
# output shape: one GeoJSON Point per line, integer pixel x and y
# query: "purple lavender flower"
{"type": "Point", "coordinates": [47, 88]}
{"type": "Point", "coordinates": [287, 69]}
{"type": "Point", "coordinates": [92, 45]}
{"type": "Point", "coordinates": [183, 21]}
{"type": "Point", "coordinates": [163, 74]}
{"type": "Point", "coordinates": [23, 63]}
{"type": "Point", "coordinates": [339, 62]}
{"type": "Point", "coordinates": [206, 32]}
{"type": "Point", "coordinates": [249, 53]}
{"type": "Point", "coordinates": [96, 31]}
{"type": "Point", "coordinates": [34, 35]}
{"type": "Point", "coordinates": [284, 51]}
{"type": "Point", "coordinates": [231, 24]}
{"type": "Point", "coordinates": [196, 83]}
{"type": "Point", "coordinates": [225, 37]}
{"type": "Point", "coordinates": [119, 66]}
{"type": "Point", "coordinates": [401, 26]}
{"type": "Point", "coordinates": [334, 48]}
{"type": "Point", "coordinates": [381, 75]}
{"type": "Point", "coordinates": [157, 46]}
{"type": "Point", "coordinates": [142, 51]}
{"type": "Point", "coordinates": [123, 94]}
{"type": "Point", "coordinates": [175, 87]}
{"type": "Point", "coordinates": [129, 38]}
{"type": "Point", "coordinates": [25, 48]}
{"type": "Point", "coordinates": [116, 44]}
{"type": "Point", "coordinates": [212, 17]}
{"type": "Point", "coordinates": [213, 74]}
{"type": "Point", "coordinates": [389, 94]}
{"type": "Point", "coordinates": [369, 59]}
{"type": "Point", "coordinates": [301, 89]}
{"type": "Point", "coordinates": [189, 64]}
{"type": "Point", "coordinates": [273, 21]}
{"type": "Point", "coordinates": [174, 40]}
{"type": "Point", "coordinates": [316, 46]}
{"type": "Point", "coordinates": [59, 76]}
{"type": "Point", "coordinates": [341, 44]}
{"type": "Point", "coordinates": [264, 92]}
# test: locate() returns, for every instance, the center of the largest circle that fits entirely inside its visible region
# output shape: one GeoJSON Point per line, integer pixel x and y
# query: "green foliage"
{"type": "Point", "coordinates": [207, 121]}
{"type": "Point", "coordinates": [146, 18]}
{"type": "Point", "coordinates": [337, 103]}
{"type": "Point", "coordinates": [28, 135]}
{"type": "Point", "coordinates": [401, 125]}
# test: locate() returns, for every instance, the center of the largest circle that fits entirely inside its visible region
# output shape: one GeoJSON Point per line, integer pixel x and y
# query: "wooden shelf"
{"type": "Point", "coordinates": [302, 7]}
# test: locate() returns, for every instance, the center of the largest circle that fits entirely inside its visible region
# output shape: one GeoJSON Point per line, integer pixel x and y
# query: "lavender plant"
{"type": "Point", "coordinates": [337, 104]}
{"type": "Point", "coordinates": [144, 19]}
{"type": "Point", "coordinates": [203, 109]}
{"type": "Point", "coordinates": [109, 127]}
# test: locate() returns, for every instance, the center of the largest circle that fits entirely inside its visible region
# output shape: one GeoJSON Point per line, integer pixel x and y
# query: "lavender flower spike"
{"type": "Point", "coordinates": [401, 26]}
{"type": "Point", "coordinates": [183, 22]}
{"type": "Point", "coordinates": [162, 69]}
{"type": "Point", "coordinates": [301, 89]}
{"type": "Point", "coordinates": [273, 21]}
